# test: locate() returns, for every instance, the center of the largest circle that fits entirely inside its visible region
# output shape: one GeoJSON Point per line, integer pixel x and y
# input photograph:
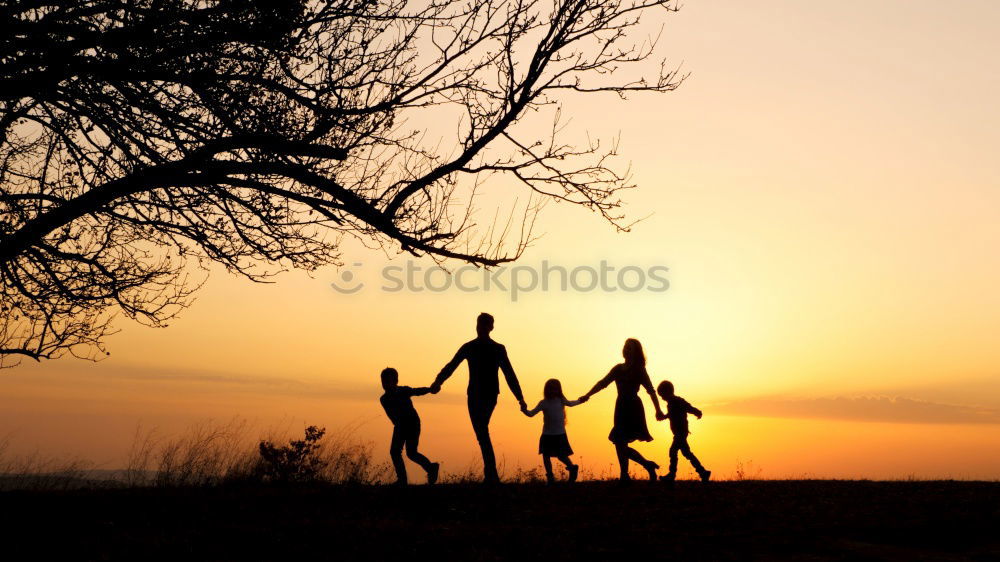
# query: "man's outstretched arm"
{"type": "Point", "coordinates": [508, 373]}
{"type": "Point", "coordinates": [448, 370]}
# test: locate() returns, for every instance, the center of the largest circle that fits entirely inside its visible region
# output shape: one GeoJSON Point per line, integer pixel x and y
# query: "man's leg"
{"type": "Point", "coordinates": [480, 412]}
{"type": "Point", "coordinates": [396, 453]}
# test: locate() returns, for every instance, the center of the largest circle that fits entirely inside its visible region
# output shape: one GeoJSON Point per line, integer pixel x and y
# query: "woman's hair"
{"type": "Point", "coordinates": [632, 352]}
{"type": "Point", "coordinates": [553, 390]}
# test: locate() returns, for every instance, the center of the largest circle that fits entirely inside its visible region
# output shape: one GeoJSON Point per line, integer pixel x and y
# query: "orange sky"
{"type": "Point", "coordinates": [825, 193]}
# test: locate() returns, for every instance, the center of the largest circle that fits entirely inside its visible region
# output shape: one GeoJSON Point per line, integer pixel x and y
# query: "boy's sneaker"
{"type": "Point", "coordinates": [573, 469]}
{"type": "Point", "coordinates": [432, 473]}
{"type": "Point", "coordinates": [706, 475]}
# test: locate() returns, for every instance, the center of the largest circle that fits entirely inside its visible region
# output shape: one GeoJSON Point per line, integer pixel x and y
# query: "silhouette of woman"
{"type": "Point", "coordinates": [630, 418]}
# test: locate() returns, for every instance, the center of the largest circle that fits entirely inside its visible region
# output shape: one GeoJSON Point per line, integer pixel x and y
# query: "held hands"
{"type": "Point", "coordinates": [583, 398]}
{"type": "Point", "coordinates": [660, 416]}
{"type": "Point", "coordinates": [435, 388]}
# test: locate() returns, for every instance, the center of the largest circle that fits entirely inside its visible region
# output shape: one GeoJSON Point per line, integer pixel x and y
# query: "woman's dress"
{"type": "Point", "coordinates": [630, 417]}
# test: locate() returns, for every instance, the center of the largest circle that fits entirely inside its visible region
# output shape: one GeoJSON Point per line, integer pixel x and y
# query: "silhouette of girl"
{"type": "Point", "coordinates": [554, 442]}
{"type": "Point", "coordinates": [630, 418]}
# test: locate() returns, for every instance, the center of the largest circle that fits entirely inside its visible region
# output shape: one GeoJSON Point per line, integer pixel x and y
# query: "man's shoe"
{"type": "Point", "coordinates": [706, 475]}
{"type": "Point", "coordinates": [550, 478]}
{"type": "Point", "coordinates": [432, 473]}
{"type": "Point", "coordinates": [574, 470]}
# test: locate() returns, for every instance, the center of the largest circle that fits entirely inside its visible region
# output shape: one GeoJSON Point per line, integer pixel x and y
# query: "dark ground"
{"type": "Point", "coordinates": [766, 520]}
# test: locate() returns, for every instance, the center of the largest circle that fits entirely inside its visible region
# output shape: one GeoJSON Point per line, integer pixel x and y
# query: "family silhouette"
{"type": "Point", "coordinates": [487, 358]}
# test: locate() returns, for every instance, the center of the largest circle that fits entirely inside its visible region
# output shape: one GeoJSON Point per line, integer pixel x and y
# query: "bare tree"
{"type": "Point", "coordinates": [142, 138]}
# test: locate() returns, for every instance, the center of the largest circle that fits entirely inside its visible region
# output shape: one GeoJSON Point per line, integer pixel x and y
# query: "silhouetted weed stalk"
{"type": "Point", "coordinates": [746, 470]}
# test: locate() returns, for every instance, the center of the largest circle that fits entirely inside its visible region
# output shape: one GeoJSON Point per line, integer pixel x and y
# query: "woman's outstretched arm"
{"type": "Point", "coordinates": [648, 385]}
{"type": "Point", "coordinates": [601, 384]}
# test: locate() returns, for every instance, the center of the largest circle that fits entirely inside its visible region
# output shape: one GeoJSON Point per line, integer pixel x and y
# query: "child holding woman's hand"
{"type": "Point", "coordinates": [554, 442]}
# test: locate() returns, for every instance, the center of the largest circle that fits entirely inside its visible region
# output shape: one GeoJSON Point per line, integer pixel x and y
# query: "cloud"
{"type": "Point", "coordinates": [208, 377]}
{"type": "Point", "coordinates": [863, 408]}
{"type": "Point", "coordinates": [983, 391]}
{"type": "Point", "coordinates": [261, 384]}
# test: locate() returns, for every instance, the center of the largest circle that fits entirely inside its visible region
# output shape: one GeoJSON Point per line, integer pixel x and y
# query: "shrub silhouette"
{"type": "Point", "coordinates": [299, 461]}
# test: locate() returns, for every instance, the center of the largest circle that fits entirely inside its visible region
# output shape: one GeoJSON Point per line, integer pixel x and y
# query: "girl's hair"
{"type": "Point", "coordinates": [552, 390]}
{"type": "Point", "coordinates": [632, 352]}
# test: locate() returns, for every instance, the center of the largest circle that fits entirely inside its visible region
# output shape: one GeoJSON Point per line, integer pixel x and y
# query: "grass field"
{"type": "Point", "coordinates": [763, 520]}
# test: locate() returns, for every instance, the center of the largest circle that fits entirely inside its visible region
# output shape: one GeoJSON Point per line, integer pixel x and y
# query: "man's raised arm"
{"type": "Point", "coordinates": [448, 369]}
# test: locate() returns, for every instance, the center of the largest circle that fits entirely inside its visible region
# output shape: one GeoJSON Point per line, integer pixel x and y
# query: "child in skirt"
{"type": "Point", "coordinates": [554, 442]}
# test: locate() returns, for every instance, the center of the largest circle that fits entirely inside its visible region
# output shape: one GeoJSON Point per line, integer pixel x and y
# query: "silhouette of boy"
{"type": "Point", "coordinates": [406, 426]}
{"type": "Point", "coordinates": [677, 411]}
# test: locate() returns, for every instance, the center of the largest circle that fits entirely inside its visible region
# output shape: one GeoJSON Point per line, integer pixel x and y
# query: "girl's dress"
{"type": "Point", "coordinates": [553, 442]}
{"type": "Point", "coordinates": [630, 417]}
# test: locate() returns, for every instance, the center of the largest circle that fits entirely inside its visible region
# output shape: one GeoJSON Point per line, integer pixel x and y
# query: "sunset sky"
{"type": "Point", "coordinates": [825, 191]}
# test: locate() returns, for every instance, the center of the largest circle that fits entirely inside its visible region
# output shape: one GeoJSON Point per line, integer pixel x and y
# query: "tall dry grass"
{"type": "Point", "coordinates": [37, 472]}
{"type": "Point", "coordinates": [207, 453]}
{"type": "Point", "coordinates": [215, 453]}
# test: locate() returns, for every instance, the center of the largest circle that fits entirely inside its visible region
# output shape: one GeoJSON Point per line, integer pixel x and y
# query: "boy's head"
{"type": "Point", "coordinates": [484, 324]}
{"type": "Point", "coordinates": [390, 378]}
{"type": "Point", "coordinates": [665, 389]}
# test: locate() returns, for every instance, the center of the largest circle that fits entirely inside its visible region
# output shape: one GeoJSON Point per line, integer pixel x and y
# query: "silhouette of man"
{"type": "Point", "coordinates": [485, 358]}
